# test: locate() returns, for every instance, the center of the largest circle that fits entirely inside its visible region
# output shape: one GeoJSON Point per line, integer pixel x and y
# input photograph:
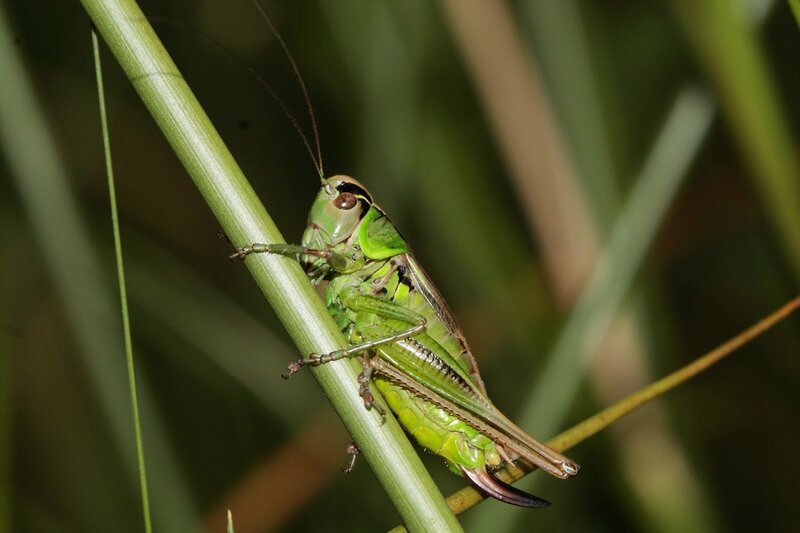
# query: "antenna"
{"type": "Point", "coordinates": [315, 159]}
{"type": "Point", "coordinates": [300, 82]}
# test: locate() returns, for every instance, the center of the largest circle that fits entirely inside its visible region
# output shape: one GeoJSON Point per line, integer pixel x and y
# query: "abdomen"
{"type": "Point", "coordinates": [437, 430]}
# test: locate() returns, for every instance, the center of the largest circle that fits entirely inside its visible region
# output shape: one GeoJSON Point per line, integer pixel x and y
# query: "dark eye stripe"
{"type": "Point", "coordinates": [346, 186]}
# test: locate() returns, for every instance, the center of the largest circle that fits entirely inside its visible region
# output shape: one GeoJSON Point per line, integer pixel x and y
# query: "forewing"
{"type": "Point", "coordinates": [486, 419]}
{"type": "Point", "coordinates": [422, 282]}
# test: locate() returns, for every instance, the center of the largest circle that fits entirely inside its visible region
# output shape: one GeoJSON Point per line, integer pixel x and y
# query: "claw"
{"type": "Point", "coordinates": [370, 403]}
{"type": "Point", "coordinates": [352, 451]}
{"type": "Point", "coordinates": [486, 482]}
{"type": "Point", "coordinates": [367, 396]}
{"type": "Point", "coordinates": [294, 368]}
{"type": "Point", "coordinates": [240, 254]}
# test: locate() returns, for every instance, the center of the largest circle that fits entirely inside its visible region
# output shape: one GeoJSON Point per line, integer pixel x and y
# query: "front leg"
{"type": "Point", "coordinates": [288, 250]}
{"type": "Point", "coordinates": [336, 261]}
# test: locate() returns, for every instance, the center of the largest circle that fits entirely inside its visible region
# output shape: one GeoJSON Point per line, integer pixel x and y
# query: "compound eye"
{"type": "Point", "coordinates": [345, 200]}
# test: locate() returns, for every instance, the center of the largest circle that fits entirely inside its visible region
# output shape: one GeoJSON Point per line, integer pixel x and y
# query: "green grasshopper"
{"type": "Point", "coordinates": [408, 342]}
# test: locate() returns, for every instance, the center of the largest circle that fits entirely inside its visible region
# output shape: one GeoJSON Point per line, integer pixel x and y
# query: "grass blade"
{"type": "Point", "coordinates": [123, 295]}
{"type": "Point", "coordinates": [469, 497]}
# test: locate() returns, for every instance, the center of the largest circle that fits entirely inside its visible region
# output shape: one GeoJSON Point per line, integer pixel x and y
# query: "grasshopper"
{"type": "Point", "coordinates": [401, 330]}
{"type": "Point", "coordinates": [407, 340]}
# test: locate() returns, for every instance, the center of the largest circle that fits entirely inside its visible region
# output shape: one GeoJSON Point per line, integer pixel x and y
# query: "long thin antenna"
{"type": "Point", "coordinates": [300, 82]}
{"type": "Point", "coordinates": [315, 159]}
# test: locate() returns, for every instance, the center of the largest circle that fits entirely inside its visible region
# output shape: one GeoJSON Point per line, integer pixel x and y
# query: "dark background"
{"type": "Point", "coordinates": [399, 108]}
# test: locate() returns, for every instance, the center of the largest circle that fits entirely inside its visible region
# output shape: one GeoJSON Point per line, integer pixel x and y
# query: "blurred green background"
{"type": "Point", "coordinates": [602, 191]}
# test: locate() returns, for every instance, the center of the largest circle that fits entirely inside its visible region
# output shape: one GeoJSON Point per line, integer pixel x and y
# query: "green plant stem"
{"type": "Point", "coordinates": [123, 296]}
{"type": "Point", "coordinates": [243, 218]}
